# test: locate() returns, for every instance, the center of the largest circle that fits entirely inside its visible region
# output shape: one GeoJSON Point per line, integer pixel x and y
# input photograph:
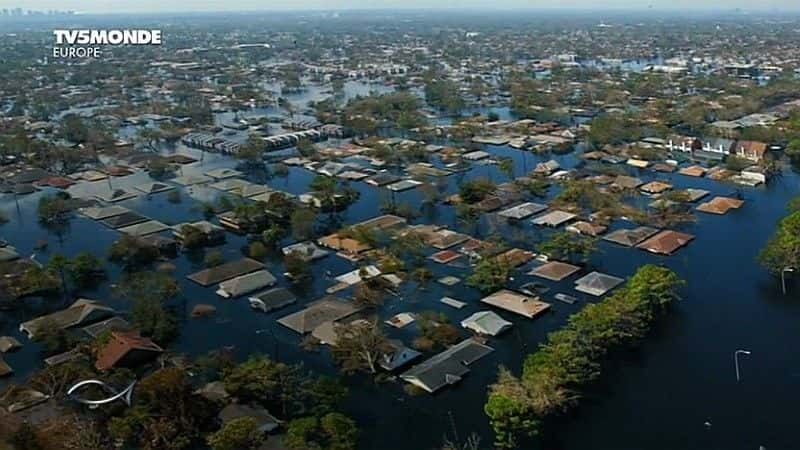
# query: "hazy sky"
{"type": "Point", "coordinates": [220, 5]}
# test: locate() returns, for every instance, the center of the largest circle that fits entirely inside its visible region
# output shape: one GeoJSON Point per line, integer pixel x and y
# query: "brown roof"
{"type": "Point", "coordinates": [445, 256]}
{"type": "Point", "coordinates": [323, 310]}
{"type": "Point", "coordinates": [337, 242]}
{"type": "Point", "coordinates": [512, 301]}
{"type": "Point", "coordinates": [666, 242]}
{"type": "Point", "coordinates": [587, 228]}
{"type": "Point", "coordinates": [655, 187]}
{"type": "Point", "coordinates": [751, 149]}
{"type": "Point", "coordinates": [516, 256]}
{"type": "Point", "coordinates": [56, 181]}
{"type": "Point", "coordinates": [120, 344]}
{"type": "Point", "coordinates": [225, 271]}
{"type": "Point", "coordinates": [5, 369]}
{"type": "Point", "coordinates": [693, 171]}
{"type": "Point", "coordinates": [720, 205]}
{"type": "Point", "coordinates": [555, 270]}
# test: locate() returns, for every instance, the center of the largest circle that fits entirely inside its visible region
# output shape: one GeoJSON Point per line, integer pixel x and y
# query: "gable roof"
{"type": "Point", "coordinates": [245, 284]}
{"type": "Point", "coordinates": [225, 271]}
{"type": "Point", "coordinates": [447, 367]}
{"type": "Point", "coordinates": [316, 313]}
{"type": "Point", "coordinates": [81, 312]}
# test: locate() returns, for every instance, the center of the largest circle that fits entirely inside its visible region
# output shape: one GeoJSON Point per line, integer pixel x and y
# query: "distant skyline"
{"type": "Point", "coordinates": [121, 6]}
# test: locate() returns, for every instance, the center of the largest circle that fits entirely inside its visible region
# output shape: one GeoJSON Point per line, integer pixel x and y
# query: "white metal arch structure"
{"type": "Point", "coordinates": [125, 394]}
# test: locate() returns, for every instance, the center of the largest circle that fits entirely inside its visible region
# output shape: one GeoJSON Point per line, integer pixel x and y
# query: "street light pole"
{"type": "Point", "coordinates": [736, 361]}
{"type": "Point", "coordinates": [783, 277]}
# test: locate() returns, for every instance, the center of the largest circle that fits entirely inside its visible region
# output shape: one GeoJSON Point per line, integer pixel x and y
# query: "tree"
{"type": "Point", "coordinates": [150, 291]}
{"type": "Point", "coordinates": [327, 188]}
{"type": "Point", "coordinates": [793, 149]}
{"type": "Point", "coordinates": [569, 246]}
{"type": "Point", "coordinates": [154, 320]}
{"type": "Point", "coordinates": [489, 275]}
{"type": "Point", "coordinates": [436, 332]}
{"type": "Point", "coordinates": [214, 258]}
{"type": "Point", "coordinates": [783, 248]}
{"type": "Point", "coordinates": [54, 209]}
{"type": "Point", "coordinates": [59, 264]}
{"type": "Point", "coordinates": [251, 153]}
{"type": "Point", "coordinates": [238, 434]}
{"type": "Point", "coordinates": [85, 270]}
{"type": "Point", "coordinates": [56, 379]}
{"type": "Point", "coordinates": [296, 266]}
{"type": "Point", "coordinates": [272, 384]}
{"type": "Point", "coordinates": [369, 293]}
{"type": "Point", "coordinates": [509, 411]}
{"type": "Point", "coordinates": [131, 253]}
{"type": "Point", "coordinates": [54, 338]}
{"type": "Point", "coordinates": [257, 250]}
{"type": "Point", "coordinates": [506, 166]}
{"type": "Point", "coordinates": [302, 222]}
{"type": "Point", "coordinates": [333, 431]}
{"type": "Point", "coordinates": [165, 415]}
{"type": "Point", "coordinates": [25, 438]}
{"type": "Point", "coordinates": [192, 237]}
{"type": "Point", "coordinates": [359, 346]}
{"type": "Point", "coordinates": [272, 235]}
{"type": "Point", "coordinates": [74, 129]}
{"type": "Point", "coordinates": [306, 148]}
{"type": "Point", "coordinates": [475, 190]}
{"type": "Point", "coordinates": [149, 138]}
{"type": "Point", "coordinates": [571, 357]}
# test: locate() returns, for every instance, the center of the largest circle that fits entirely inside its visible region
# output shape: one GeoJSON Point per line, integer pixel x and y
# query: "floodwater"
{"type": "Point", "coordinates": [658, 397]}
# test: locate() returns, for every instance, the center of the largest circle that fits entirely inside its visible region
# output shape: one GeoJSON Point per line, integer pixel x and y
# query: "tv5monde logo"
{"type": "Point", "coordinates": [88, 43]}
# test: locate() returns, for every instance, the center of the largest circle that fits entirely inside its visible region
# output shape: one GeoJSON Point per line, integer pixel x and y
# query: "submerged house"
{"type": "Point", "coordinates": [328, 309]}
{"type": "Point", "coordinates": [752, 150]}
{"type": "Point", "coordinates": [245, 284]}
{"type": "Point", "coordinates": [597, 283]}
{"type": "Point", "coordinates": [225, 271]}
{"type": "Point", "coordinates": [515, 302]}
{"type": "Point", "coordinates": [486, 322]}
{"type": "Point", "coordinates": [448, 367]}
{"type": "Point", "coordinates": [272, 299]}
{"type": "Point", "coordinates": [398, 358]}
{"type": "Point", "coordinates": [82, 312]}
{"type": "Point", "coordinates": [211, 233]}
{"type": "Point", "coordinates": [666, 242]}
{"type": "Point", "coordinates": [126, 349]}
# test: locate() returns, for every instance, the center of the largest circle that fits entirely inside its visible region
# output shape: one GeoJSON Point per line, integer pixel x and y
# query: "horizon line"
{"type": "Point", "coordinates": [617, 9]}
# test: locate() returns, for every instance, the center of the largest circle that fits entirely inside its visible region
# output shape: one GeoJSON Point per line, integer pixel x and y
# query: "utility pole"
{"type": "Point", "coordinates": [736, 361]}
{"type": "Point", "coordinates": [783, 278]}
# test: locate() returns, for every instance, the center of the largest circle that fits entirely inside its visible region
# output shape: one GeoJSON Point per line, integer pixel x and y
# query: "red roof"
{"type": "Point", "coordinates": [120, 344]}
{"type": "Point", "coordinates": [55, 181]}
